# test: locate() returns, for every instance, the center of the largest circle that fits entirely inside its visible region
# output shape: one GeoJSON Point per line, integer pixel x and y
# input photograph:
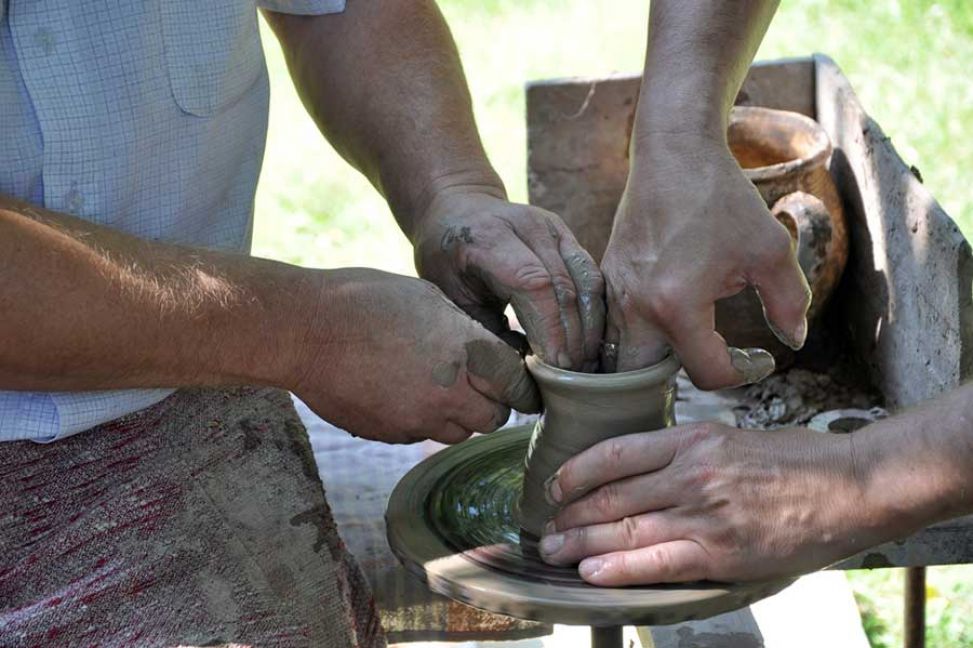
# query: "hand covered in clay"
{"type": "Point", "coordinates": [401, 363]}
{"type": "Point", "coordinates": [691, 229]}
{"type": "Point", "coordinates": [706, 501]}
{"type": "Point", "coordinates": [485, 252]}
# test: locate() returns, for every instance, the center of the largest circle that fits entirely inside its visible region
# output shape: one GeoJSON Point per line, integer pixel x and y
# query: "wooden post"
{"type": "Point", "coordinates": [914, 633]}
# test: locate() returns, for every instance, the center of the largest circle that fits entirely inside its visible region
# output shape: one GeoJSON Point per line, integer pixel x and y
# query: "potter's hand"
{"type": "Point", "coordinates": [401, 363]}
{"type": "Point", "coordinates": [710, 502]}
{"type": "Point", "coordinates": [484, 252]}
{"type": "Point", "coordinates": [690, 230]}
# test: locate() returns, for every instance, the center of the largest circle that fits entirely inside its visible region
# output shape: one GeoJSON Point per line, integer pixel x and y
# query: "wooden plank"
{"type": "Point", "coordinates": [948, 543]}
{"type": "Point", "coordinates": [781, 84]}
{"type": "Point", "coordinates": [817, 610]}
{"type": "Point", "coordinates": [737, 629]}
{"type": "Point", "coordinates": [199, 521]}
{"type": "Point", "coordinates": [907, 291]}
{"type": "Point", "coordinates": [578, 132]}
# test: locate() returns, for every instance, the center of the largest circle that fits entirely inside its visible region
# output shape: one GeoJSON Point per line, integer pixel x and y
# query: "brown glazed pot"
{"type": "Point", "coordinates": [582, 409]}
{"type": "Point", "coordinates": [786, 156]}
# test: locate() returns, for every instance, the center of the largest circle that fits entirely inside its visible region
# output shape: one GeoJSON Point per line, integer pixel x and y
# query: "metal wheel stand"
{"type": "Point", "coordinates": [607, 637]}
{"type": "Point", "coordinates": [915, 607]}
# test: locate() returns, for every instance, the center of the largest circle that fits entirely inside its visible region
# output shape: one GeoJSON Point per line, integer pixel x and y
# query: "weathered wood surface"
{"type": "Point", "coordinates": [818, 610]}
{"type": "Point", "coordinates": [200, 521]}
{"type": "Point", "coordinates": [948, 543]}
{"type": "Point", "coordinates": [578, 133]}
{"type": "Point", "coordinates": [908, 294]}
{"type": "Point", "coordinates": [907, 298]}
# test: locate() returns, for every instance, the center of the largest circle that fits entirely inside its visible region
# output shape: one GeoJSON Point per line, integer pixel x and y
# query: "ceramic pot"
{"type": "Point", "coordinates": [786, 156]}
{"type": "Point", "coordinates": [582, 409]}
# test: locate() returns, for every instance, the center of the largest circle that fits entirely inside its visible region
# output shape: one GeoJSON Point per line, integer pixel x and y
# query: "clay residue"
{"type": "Point", "coordinates": [319, 517]}
{"type": "Point", "coordinates": [876, 561]}
{"type": "Point", "coordinates": [794, 397]}
{"type": "Point", "coordinates": [444, 374]}
{"type": "Point", "coordinates": [453, 236]}
{"type": "Point", "coordinates": [485, 361]}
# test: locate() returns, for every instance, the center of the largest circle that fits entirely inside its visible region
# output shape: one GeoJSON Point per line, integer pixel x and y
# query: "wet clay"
{"type": "Point", "coordinates": [452, 521]}
{"type": "Point", "coordinates": [466, 519]}
{"type": "Point", "coordinates": [483, 361]}
{"type": "Point", "coordinates": [582, 409]}
{"type": "Point", "coordinates": [444, 374]}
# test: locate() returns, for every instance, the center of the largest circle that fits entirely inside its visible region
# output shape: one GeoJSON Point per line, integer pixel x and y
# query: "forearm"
{"type": "Point", "coordinates": [698, 54]}
{"type": "Point", "coordinates": [85, 307]}
{"type": "Point", "coordinates": [384, 83]}
{"type": "Point", "coordinates": [917, 468]}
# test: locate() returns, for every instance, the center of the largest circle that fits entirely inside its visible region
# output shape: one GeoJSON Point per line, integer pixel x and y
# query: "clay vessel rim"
{"type": "Point", "coordinates": [651, 375]}
{"type": "Point", "coordinates": [820, 148]}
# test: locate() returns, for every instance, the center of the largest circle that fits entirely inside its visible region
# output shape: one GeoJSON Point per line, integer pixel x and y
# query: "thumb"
{"type": "Point", "coordinates": [499, 373]}
{"type": "Point", "coordinates": [784, 293]}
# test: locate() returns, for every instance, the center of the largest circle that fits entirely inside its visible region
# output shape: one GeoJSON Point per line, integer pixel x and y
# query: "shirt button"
{"type": "Point", "coordinates": [73, 201]}
{"type": "Point", "coordinates": [44, 38]}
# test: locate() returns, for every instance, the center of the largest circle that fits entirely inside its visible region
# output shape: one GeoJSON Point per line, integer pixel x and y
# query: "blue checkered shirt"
{"type": "Point", "coordinates": [148, 116]}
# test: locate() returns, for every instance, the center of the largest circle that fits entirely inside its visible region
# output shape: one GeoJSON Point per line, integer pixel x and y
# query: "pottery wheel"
{"type": "Point", "coordinates": [452, 521]}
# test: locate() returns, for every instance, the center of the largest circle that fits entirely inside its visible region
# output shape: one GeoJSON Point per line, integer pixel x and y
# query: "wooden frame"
{"type": "Point", "coordinates": [905, 304]}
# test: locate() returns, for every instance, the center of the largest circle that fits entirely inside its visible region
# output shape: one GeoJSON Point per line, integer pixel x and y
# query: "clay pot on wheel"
{"type": "Point", "coordinates": [786, 155]}
{"type": "Point", "coordinates": [582, 409]}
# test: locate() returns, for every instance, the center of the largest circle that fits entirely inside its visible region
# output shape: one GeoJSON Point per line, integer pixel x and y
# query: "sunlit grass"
{"type": "Point", "coordinates": [907, 59]}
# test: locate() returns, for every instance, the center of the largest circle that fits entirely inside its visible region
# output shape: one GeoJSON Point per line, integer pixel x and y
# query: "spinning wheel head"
{"type": "Point", "coordinates": [452, 521]}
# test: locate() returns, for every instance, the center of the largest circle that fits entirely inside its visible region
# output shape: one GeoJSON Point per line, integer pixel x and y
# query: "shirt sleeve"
{"type": "Point", "coordinates": [81, 411]}
{"type": "Point", "coordinates": [302, 7]}
{"type": "Point", "coordinates": [49, 416]}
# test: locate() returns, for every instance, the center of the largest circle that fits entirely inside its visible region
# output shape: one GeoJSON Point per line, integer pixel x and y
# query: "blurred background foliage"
{"type": "Point", "coordinates": [908, 60]}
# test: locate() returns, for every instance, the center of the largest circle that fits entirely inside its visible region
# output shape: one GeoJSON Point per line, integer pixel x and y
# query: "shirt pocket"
{"type": "Point", "coordinates": [213, 52]}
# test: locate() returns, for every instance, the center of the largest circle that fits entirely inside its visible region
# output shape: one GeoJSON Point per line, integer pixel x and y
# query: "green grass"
{"type": "Point", "coordinates": [907, 59]}
{"type": "Point", "coordinates": [949, 607]}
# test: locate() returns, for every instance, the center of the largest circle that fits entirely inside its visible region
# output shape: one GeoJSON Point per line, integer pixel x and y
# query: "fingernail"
{"type": "Point", "coordinates": [563, 360]}
{"type": "Point", "coordinates": [753, 364]}
{"type": "Point", "coordinates": [590, 567]}
{"type": "Point", "coordinates": [800, 334]}
{"type": "Point", "coordinates": [552, 490]}
{"type": "Point", "coordinates": [549, 528]}
{"type": "Point", "coordinates": [552, 544]}
{"type": "Point", "coordinates": [762, 362]}
{"type": "Point", "coordinates": [795, 341]}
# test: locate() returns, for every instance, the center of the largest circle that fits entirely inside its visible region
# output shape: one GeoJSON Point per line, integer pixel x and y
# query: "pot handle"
{"type": "Point", "coordinates": [807, 219]}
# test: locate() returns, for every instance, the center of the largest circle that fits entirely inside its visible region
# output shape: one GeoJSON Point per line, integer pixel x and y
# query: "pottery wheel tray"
{"type": "Point", "coordinates": [452, 521]}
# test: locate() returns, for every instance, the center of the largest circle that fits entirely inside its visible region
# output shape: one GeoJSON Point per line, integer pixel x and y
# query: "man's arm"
{"type": "Point", "coordinates": [690, 228]}
{"type": "Point", "coordinates": [384, 82]}
{"type": "Point", "coordinates": [697, 57]}
{"type": "Point", "coordinates": [710, 502]}
{"type": "Point", "coordinates": [84, 307]}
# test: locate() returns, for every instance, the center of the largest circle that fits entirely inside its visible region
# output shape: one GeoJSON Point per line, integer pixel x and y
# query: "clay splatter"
{"type": "Point", "coordinates": [444, 374]}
